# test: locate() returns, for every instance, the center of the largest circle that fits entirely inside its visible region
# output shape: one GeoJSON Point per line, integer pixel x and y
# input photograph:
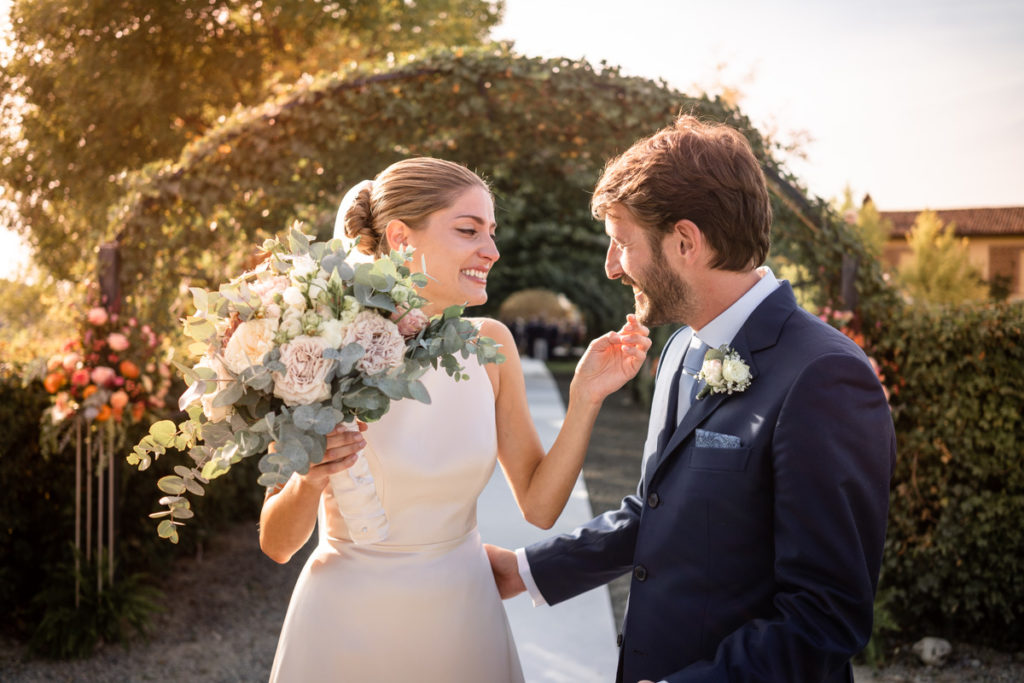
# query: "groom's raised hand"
{"type": "Point", "coordinates": [506, 571]}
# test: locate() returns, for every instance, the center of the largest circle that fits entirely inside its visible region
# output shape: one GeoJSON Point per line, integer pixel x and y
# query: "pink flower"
{"type": "Point", "coordinates": [119, 399]}
{"type": "Point", "coordinates": [118, 341]}
{"type": "Point", "coordinates": [70, 361]}
{"type": "Point", "coordinates": [304, 380]}
{"type": "Point", "coordinates": [80, 377]}
{"type": "Point", "coordinates": [410, 324]}
{"type": "Point", "coordinates": [383, 344]}
{"type": "Point", "coordinates": [266, 288]}
{"type": "Point", "coordinates": [102, 375]}
{"type": "Point", "coordinates": [97, 316]}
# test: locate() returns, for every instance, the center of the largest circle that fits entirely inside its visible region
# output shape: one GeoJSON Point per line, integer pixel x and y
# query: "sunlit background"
{"type": "Point", "coordinates": [918, 102]}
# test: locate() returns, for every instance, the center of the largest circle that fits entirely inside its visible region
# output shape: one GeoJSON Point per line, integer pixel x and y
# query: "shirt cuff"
{"type": "Point", "coordinates": [524, 573]}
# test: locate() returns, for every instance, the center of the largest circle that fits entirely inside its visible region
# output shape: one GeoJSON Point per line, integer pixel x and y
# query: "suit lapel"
{"type": "Point", "coordinates": [759, 332]}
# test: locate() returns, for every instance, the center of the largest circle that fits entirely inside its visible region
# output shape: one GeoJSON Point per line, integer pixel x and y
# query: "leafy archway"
{"type": "Point", "coordinates": [539, 129]}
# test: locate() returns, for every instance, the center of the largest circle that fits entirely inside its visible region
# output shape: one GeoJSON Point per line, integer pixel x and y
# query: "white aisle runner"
{"type": "Point", "coordinates": [575, 640]}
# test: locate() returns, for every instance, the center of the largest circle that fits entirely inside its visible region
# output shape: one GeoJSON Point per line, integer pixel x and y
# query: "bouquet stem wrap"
{"type": "Point", "coordinates": [356, 495]}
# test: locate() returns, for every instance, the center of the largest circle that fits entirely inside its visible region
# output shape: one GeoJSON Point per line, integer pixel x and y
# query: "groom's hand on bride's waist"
{"type": "Point", "coordinates": [505, 567]}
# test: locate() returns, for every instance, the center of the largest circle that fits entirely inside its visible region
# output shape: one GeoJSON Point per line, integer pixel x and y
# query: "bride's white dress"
{"type": "Point", "coordinates": [422, 604]}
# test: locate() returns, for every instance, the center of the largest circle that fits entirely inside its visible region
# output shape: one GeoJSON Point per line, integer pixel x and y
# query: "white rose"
{"type": "Point", "coordinates": [212, 413]}
{"type": "Point", "coordinates": [303, 381]}
{"type": "Point", "coordinates": [302, 267]}
{"type": "Point", "coordinates": [735, 371]}
{"type": "Point", "coordinates": [383, 344]}
{"type": "Point", "coordinates": [333, 333]}
{"type": "Point", "coordinates": [317, 289]}
{"type": "Point", "coordinates": [272, 311]}
{"type": "Point", "coordinates": [248, 344]}
{"type": "Point", "coordinates": [294, 297]}
{"type": "Point", "coordinates": [712, 371]}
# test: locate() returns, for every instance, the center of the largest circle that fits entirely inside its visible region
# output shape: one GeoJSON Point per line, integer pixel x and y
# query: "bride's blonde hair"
{"type": "Point", "coordinates": [407, 190]}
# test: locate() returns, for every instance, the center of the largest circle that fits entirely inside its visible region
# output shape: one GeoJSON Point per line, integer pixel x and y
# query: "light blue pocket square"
{"type": "Point", "coordinates": [706, 439]}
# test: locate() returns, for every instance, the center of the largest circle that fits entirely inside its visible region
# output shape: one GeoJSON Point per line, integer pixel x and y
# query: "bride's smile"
{"type": "Point", "coordinates": [455, 248]}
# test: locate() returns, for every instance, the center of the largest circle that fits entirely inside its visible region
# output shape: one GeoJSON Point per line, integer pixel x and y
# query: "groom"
{"type": "Point", "coordinates": [755, 537]}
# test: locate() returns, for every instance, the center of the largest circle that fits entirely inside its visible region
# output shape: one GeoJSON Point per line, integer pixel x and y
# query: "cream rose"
{"type": "Point", "coordinates": [735, 371]}
{"type": "Point", "coordinates": [248, 344]}
{"type": "Point", "coordinates": [214, 413]}
{"type": "Point", "coordinates": [382, 343]}
{"type": "Point", "coordinates": [303, 381]}
{"type": "Point", "coordinates": [712, 371]}
{"type": "Point", "coordinates": [333, 333]}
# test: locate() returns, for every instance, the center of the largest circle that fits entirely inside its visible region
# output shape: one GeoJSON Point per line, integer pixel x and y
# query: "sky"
{"type": "Point", "coordinates": [918, 102]}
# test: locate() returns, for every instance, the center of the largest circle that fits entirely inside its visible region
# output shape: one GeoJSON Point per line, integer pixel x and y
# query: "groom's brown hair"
{"type": "Point", "coordinates": [698, 171]}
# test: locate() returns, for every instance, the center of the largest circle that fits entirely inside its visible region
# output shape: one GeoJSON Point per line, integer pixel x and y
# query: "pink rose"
{"type": "Point", "coordinates": [266, 288]}
{"type": "Point", "coordinates": [304, 379]}
{"type": "Point", "coordinates": [383, 344]}
{"type": "Point", "coordinates": [97, 316]}
{"type": "Point", "coordinates": [118, 341]}
{"type": "Point", "coordinates": [102, 375]}
{"type": "Point", "coordinates": [410, 324]}
{"type": "Point", "coordinates": [80, 377]}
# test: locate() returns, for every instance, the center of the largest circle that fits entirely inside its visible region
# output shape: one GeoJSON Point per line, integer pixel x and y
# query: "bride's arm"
{"type": "Point", "coordinates": [289, 512]}
{"type": "Point", "coordinates": [542, 483]}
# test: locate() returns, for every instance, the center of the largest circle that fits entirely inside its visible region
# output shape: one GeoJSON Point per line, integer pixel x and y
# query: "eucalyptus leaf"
{"type": "Point", "coordinates": [171, 484]}
{"type": "Point", "coordinates": [228, 395]}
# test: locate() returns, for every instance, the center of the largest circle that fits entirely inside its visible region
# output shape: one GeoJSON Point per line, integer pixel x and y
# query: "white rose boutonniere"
{"type": "Point", "coordinates": [723, 372]}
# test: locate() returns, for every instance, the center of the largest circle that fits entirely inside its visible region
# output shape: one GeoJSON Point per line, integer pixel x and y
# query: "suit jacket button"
{"type": "Point", "coordinates": [654, 500]}
{"type": "Point", "coordinates": [640, 572]}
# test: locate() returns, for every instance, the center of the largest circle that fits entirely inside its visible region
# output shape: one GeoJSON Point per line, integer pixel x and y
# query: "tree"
{"type": "Point", "coordinates": [100, 87]}
{"type": "Point", "coordinates": [539, 130]}
{"type": "Point", "coordinates": [868, 222]}
{"type": "Point", "coordinates": [940, 271]}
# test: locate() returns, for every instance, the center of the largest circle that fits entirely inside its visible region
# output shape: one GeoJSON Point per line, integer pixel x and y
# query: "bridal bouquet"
{"type": "Point", "coordinates": [288, 351]}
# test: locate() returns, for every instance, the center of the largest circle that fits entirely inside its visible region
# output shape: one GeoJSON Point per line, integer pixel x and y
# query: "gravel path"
{"type": "Point", "coordinates": [224, 627]}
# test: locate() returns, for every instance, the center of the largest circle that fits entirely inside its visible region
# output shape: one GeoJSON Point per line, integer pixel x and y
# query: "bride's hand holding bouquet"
{"type": "Point", "coordinates": [305, 343]}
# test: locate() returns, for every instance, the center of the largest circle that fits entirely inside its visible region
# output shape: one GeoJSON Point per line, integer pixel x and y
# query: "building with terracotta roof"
{"type": "Point", "coordinates": [995, 241]}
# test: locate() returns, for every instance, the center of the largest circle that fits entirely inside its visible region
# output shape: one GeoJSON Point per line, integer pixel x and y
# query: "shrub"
{"type": "Point", "coordinates": [37, 532]}
{"type": "Point", "coordinates": [954, 557]}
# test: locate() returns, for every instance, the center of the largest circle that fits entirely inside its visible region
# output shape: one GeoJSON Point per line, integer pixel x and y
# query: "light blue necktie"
{"type": "Point", "coordinates": [693, 359]}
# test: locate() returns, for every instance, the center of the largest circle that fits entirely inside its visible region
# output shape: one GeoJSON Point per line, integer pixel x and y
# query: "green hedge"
{"type": "Point", "coordinates": [954, 558]}
{"type": "Point", "coordinates": [37, 531]}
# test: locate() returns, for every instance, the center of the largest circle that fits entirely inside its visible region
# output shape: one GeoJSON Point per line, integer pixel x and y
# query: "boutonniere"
{"type": "Point", "coordinates": [723, 372]}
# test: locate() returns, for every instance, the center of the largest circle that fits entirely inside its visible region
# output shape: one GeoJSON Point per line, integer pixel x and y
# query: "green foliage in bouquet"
{"type": "Point", "coordinates": [289, 350]}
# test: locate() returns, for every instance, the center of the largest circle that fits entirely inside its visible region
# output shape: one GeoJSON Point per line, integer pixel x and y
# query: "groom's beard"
{"type": "Point", "coordinates": [666, 297]}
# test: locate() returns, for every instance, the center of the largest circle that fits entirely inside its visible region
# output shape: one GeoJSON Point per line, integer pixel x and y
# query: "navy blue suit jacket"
{"type": "Point", "coordinates": [760, 562]}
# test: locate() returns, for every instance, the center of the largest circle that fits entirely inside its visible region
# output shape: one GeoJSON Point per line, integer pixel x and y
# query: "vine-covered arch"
{"type": "Point", "coordinates": [540, 130]}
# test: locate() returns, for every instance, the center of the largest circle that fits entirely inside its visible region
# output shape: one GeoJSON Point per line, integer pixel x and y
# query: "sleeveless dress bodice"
{"type": "Point", "coordinates": [421, 605]}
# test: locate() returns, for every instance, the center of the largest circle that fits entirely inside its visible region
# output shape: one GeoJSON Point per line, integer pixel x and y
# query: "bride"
{"type": "Point", "coordinates": [422, 605]}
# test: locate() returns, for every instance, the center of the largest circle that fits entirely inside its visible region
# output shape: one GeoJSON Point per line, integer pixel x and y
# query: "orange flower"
{"type": "Point", "coordinates": [104, 413]}
{"type": "Point", "coordinates": [53, 382]}
{"type": "Point", "coordinates": [138, 410]}
{"type": "Point", "coordinates": [128, 369]}
{"type": "Point", "coordinates": [89, 391]}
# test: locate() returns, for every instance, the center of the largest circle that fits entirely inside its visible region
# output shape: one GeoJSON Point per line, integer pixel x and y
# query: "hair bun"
{"type": "Point", "coordinates": [359, 223]}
